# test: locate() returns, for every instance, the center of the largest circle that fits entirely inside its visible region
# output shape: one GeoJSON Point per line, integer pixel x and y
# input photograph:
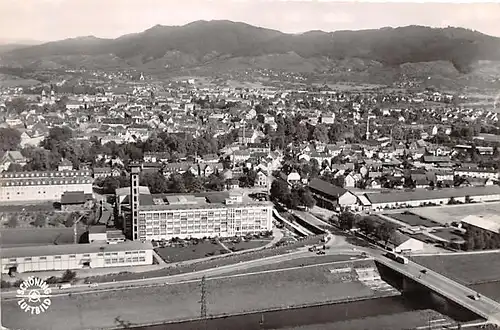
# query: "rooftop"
{"type": "Point", "coordinates": [424, 194]}
{"type": "Point", "coordinates": [489, 222]}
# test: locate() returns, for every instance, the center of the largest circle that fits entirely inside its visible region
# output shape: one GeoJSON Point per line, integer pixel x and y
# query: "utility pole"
{"type": "Point", "coordinates": [203, 300]}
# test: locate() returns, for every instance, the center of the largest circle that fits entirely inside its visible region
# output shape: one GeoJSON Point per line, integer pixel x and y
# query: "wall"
{"type": "Point", "coordinates": [40, 192]}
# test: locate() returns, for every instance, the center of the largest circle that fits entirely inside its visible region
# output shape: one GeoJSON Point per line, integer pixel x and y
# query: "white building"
{"type": "Point", "coordinates": [477, 173]}
{"type": "Point", "coordinates": [422, 197]}
{"type": "Point", "coordinates": [42, 186]}
{"type": "Point", "coordinates": [75, 256]}
{"type": "Point", "coordinates": [189, 216]}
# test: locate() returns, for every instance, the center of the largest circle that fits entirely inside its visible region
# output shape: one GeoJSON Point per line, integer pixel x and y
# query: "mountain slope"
{"type": "Point", "coordinates": [200, 43]}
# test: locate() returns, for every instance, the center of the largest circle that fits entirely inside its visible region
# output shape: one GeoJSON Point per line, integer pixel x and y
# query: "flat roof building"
{"type": "Point", "coordinates": [421, 197]}
{"type": "Point", "coordinates": [75, 256]}
{"type": "Point", "coordinates": [42, 186]}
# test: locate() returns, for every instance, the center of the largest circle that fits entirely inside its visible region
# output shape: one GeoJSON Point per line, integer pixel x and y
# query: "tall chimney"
{"type": "Point", "coordinates": [135, 170]}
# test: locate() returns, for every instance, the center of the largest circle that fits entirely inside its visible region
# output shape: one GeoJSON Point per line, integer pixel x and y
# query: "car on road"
{"type": "Point", "coordinates": [473, 297]}
{"type": "Point", "coordinates": [321, 252]}
{"type": "Point", "coordinates": [94, 285]}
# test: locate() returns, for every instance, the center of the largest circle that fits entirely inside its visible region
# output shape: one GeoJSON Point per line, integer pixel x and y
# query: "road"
{"type": "Point", "coordinates": [484, 306]}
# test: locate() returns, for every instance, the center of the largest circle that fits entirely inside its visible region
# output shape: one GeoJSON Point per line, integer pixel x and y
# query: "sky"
{"type": "Point", "coordinates": [47, 20]}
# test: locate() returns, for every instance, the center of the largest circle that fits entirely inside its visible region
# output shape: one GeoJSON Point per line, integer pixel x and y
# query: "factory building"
{"type": "Point", "coordinates": [75, 256]}
{"type": "Point", "coordinates": [42, 186]}
{"type": "Point", "coordinates": [184, 216]}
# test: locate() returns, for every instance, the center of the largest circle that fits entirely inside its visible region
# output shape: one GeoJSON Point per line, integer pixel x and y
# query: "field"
{"type": "Point", "coordinates": [247, 245]}
{"type": "Point", "coordinates": [452, 213]}
{"type": "Point", "coordinates": [181, 301]}
{"type": "Point", "coordinates": [339, 260]}
{"type": "Point", "coordinates": [354, 86]}
{"type": "Point", "coordinates": [37, 218]}
{"type": "Point", "coordinates": [228, 259]}
{"type": "Point", "coordinates": [413, 220]}
{"type": "Point", "coordinates": [467, 269]}
{"type": "Point", "coordinates": [201, 250]}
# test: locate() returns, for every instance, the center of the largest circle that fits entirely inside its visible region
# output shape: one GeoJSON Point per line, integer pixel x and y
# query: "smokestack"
{"type": "Point", "coordinates": [135, 170]}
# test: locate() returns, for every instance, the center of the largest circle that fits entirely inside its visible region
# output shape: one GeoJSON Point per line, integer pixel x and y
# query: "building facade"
{"type": "Point", "coordinates": [42, 186]}
{"type": "Point", "coordinates": [233, 217]}
{"type": "Point", "coordinates": [75, 256]}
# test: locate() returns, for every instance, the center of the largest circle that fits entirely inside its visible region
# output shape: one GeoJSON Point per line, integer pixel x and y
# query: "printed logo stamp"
{"type": "Point", "coordinates": [34, 294]}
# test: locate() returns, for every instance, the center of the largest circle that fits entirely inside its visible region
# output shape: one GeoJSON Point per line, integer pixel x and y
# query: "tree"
{"type": "Point", "coordinates": [279, 189]}
{"type": "Point", "coordinates": [155, 181]}
{"type": "Point", "coordinates": [58, 138]}
{"type": "Point", "coordinates": [9, 139]}
{"type": "Point", "coordinates": [12, 221]}
{"type": "Point", "coordinates": [191, 182]}
{"type": "Point", "coordinates": [40, 220]}
{"type": "Point", "coordinates": [70, 220]}
{"type": "Point", "coordinates": [248, 179]}
{"type": "Point", "coordinates": [216, 182]}
{"type": "Point", "coordinates": [386, 232]}
{"type": "Point", "coordinates": [68, 276]}
{"type": "Point", "coordinates": [367, 225]}
{"type": "Point", "coordinates": [307, 198]}
{"type": "Point", "coordinates": [17, 105]}
{"type": "Point", "coordinates": [177, 183]}
{"type": "Point", "coordinates": [347, 220]}
{"type": "Point", "coordinates": [320, 133]}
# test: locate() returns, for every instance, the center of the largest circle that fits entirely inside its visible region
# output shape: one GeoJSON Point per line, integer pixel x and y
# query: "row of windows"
{"type": "Point", "coordinates": [123, 260]}
{"type": "Point", "coordinates": [38, 183]}
{"type": "Point", "coordinates": [86, 255]}
{"type": "Point", "coordinates": [44, 174]}
{"type": "Point", "coordinates": [184, 214]}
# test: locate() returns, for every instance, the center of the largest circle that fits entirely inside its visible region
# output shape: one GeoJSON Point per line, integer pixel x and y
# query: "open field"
{"type": "Point", "coordinates": [181, 301]}
{"type": "Point", "coordinates": [28, 219]}
{"type": "Point", "coordinates": [39, 207]}
{"type": "Point", "coordinates": [198, 251]}
{"type": "Point", "coordinates": [338, 261]}
{"type": "Point", "coordinates": [450, 213]}
{"type": "Point", "coordinates": [467, 269]}
{"type": "Point", "coordinates": [247, 245]}
{"type": "Point", "coordinates": [413, 219]}
{"type": "Point", "coordinates": [349, 87]}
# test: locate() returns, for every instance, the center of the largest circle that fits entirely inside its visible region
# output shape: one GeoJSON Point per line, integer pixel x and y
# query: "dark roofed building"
{"type": "Point", "coordinates": [330, 196]}
{"type": "Point", "coordinates": [72, 200]}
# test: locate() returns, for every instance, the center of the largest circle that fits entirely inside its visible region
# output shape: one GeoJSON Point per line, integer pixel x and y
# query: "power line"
{"type": "Point", "coordinates": [203, 300]}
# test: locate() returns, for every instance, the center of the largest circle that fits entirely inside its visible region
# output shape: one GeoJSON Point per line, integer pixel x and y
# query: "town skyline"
{"type": "Point", "coordinates": [116, 18]}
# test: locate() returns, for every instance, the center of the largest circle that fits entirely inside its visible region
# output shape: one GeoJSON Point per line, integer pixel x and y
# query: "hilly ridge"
{"type": "Point", "coordinates": [215, 42]}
